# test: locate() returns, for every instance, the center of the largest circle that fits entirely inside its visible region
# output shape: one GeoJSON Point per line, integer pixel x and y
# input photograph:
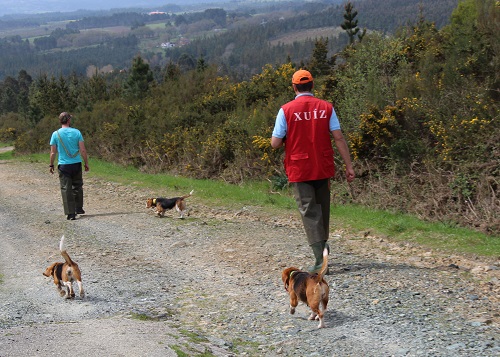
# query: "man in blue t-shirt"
{"type": "Point", "coordinates": [68, 144]}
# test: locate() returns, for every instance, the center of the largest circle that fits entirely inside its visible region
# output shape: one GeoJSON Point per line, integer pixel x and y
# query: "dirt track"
{"type": "Point", "coordinates": [211, 283]}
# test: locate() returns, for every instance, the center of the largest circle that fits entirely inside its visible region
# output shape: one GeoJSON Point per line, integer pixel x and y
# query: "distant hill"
{"type": "Point", "coordinates": [35, 6]}
{"type": "Point", "coordinates": [240, 38]}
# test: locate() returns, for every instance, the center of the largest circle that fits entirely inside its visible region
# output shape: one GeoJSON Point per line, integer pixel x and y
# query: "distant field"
{"type": "Point", "coordinates": [153, 44]}
{"type": "Point", "coordinates": [307, 34]}
{"type": "Point", "coordinates": [30, 32]}
{"type": "Point", "coordinates": [157, 26]}
{"type": "Point", "coordinates": [116, 30]}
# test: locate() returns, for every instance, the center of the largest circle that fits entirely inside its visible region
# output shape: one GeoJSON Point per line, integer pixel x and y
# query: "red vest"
{"type": "Point", "coordinates": [308, 147]}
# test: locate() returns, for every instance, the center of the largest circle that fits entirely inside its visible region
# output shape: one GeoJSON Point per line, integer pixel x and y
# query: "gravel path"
{"type": "Point", "coordinates": [210, 284]}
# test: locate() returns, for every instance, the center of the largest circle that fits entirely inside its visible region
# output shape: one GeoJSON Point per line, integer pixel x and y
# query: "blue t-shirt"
{"type": "Point", "coordinates": [280, 126]}
{"type": "Point", "coordinates": [71, 138]}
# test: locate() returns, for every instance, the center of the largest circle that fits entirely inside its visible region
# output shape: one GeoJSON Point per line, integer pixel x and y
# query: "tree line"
{"type": "Point", "coordinates": [419, 109]}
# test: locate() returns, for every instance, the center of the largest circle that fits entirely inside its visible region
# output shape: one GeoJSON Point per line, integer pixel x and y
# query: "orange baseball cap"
{"type": "Point", "coordinates": [302, 77]}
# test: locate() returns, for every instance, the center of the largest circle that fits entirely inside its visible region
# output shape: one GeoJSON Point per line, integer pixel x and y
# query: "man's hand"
{"type": "Point", "coordinates": [349, 174]}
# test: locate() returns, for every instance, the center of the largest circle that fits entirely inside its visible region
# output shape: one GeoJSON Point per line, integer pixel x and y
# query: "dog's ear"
{"type": "Point", "coordinates": [286, 284]}
{"type": "Point", "coordinates": [50, 270]}
{"type": "Point", "coordinates": [285, 276]}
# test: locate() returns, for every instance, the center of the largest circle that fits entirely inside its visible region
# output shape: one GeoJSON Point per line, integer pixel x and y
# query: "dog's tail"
{"type": "Point", "coordinates": [64, 253]}
{"type": "Point", "coordinates": [61, 244]}
{"type": "Point", "coordinates": [324, 266]}
{"type": "Point", "coordinates": [186, 196]}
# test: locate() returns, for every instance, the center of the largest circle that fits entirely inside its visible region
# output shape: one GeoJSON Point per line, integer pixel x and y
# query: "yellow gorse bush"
{"type": "Point", "coordinates": [7, 134]}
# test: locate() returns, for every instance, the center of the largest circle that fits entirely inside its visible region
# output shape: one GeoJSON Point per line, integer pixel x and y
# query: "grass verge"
{"type": "Point", "coordinates": [406, 228]}
{"type": "Point", "coordinates": [355, 219]}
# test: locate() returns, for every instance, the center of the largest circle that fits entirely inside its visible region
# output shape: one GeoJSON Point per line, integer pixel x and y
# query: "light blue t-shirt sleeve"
{"type": "Point", "coordinates": [280, 125]}
{"type": "Point", "coordinates": [53, 139]}
{"type": "Point", "coordinates": [334, 121]}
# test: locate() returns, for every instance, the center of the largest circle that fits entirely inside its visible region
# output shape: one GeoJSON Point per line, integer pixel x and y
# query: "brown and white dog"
{"type": "Point", "coordinates": [162, 204]}
{"type": "Point", "coordinates": [64, 274]}
{"type": "Point", "coordinates": [311, 289]}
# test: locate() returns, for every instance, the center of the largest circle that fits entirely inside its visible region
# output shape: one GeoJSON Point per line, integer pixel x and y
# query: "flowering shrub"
{"type": "Point", "coordinates": [395, 133]}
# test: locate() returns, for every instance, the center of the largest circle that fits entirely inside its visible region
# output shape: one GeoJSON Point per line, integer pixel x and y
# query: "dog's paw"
{"type": "Point", "coordinates": [292, 310]}
{"type": "Point", "coordinates": [313, 316]}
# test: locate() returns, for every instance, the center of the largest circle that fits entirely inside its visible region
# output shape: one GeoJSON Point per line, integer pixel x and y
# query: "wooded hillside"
{"type": "Point", "coordinates": [241, 37]}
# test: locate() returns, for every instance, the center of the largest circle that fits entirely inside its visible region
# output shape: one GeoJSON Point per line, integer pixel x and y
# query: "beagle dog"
{"type": "Point", "coordinates": [64, 274]}
{"type": "Point", "coordinates": [162, 204]}
{"type": "Point", "coordinates": [312, 289]}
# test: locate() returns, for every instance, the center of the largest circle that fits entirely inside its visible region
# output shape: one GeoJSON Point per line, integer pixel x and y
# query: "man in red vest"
{"type": "Point", "coordinates": [303, 127]}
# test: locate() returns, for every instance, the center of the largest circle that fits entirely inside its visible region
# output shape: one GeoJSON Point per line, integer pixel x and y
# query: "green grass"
{"type": "Point", "coordinates": [140, 317]}
{"type": "Point", "coordinates": [6, 155]}
{"type": "Point", "coordinates": [180, 353]}
{"type": "Point", "coordinates": [407, 228]}
{"type": "Point", "coordinates": [193, 336]}
{"type": "Point", "coordinates": [355, 219]}
{"type": "Point", "coordinates": [212, 192]}
{"type": "Point", "coordinates": [148, 317]}
{"type": "Point", "coordinates": [178, 350]}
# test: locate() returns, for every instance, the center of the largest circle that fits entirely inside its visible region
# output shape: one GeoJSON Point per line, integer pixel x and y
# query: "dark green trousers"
{"type": "Point", "coordinates": [70, 177]}
{"type": "Point", "coordinates": [313, 201]}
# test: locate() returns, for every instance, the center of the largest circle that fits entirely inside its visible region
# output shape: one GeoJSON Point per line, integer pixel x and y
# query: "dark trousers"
{"type": "Point", "coordinates": [313, 201]}
{"type": "Point", "coordinates": [70, 177]}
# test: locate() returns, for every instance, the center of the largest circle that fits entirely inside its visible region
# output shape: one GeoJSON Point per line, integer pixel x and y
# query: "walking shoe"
{"type": "Point", "coordinates": [317, 249]}
{"type": "Point", "coordinates": [80, 211]}
{"type": "Point", "coordinates": [316, 269]}
{"type": "Point", "coordinates": [71, 217]}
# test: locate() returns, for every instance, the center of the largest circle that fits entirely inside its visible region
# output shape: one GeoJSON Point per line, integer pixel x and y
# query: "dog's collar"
{"type": "Point", "coordinates": [154, 201]}
{"type": "Point", "coordinates": [291, 273]}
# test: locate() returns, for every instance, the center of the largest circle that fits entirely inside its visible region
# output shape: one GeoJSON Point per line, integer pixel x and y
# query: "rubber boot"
{"type": "Point", "coordinates": [317, 249]}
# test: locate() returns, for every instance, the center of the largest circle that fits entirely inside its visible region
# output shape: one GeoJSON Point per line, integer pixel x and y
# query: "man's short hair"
{"type": "Point", "coordinates": [306, 87]}
{"type": "Point", "coordinates": [64, 117]}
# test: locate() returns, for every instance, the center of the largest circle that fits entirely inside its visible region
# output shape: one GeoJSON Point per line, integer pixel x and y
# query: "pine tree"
{"type": "Point", "coordinates": [24, 80]}
{"type": "Point", "coordinates": [201, 65]}
{"type": "Point", "coordinates": [350, 24]}
{"type": "Point", "coordinates": [172, 72]}
{"type": "Point", "coordinates": [140, 77]}
{"type": "Point", "coordinates": [319, 62]}
{"type": "Point", "coordinates": [186, 62]}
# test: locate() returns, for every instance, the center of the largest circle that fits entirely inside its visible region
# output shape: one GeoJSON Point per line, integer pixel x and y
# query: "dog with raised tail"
{"type": "Point", "coordinates": [312, 289]}
{"type": "Point", "coordinates": [162, 204]}
{"type": "Point", "coordinates": [64, 274]}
